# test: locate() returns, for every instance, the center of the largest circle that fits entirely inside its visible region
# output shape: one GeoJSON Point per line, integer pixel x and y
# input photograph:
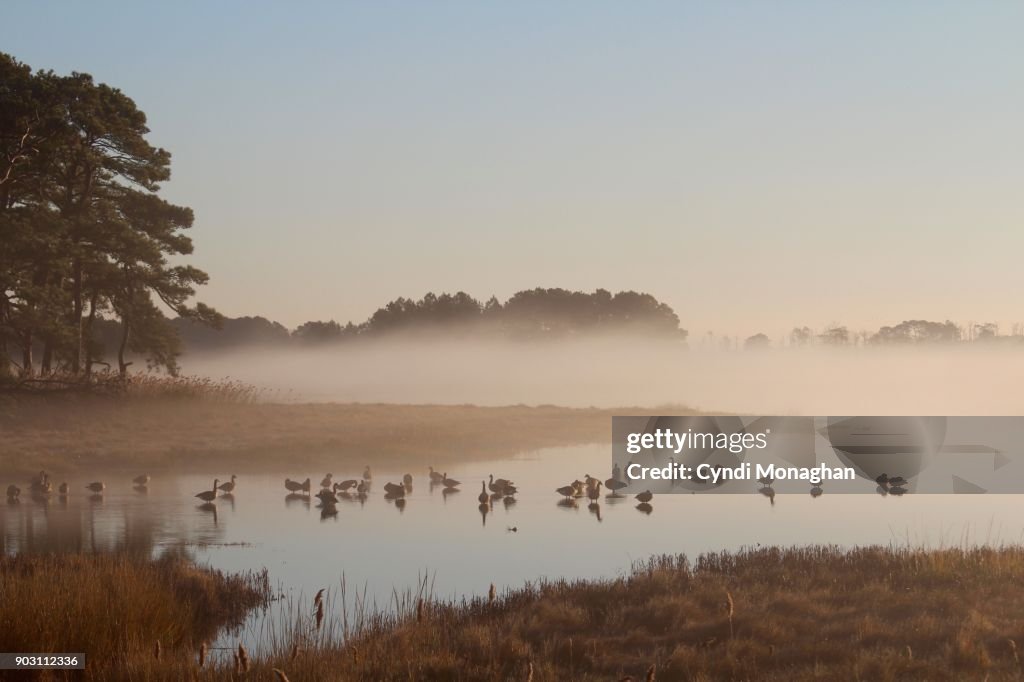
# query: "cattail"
{"type": "Point", "coordinates": [243, 659]}
{"type": "Point", "coordinates": [419, 610]}
{"type": "Point", "coordinates": [295, 652]}
{"type": "Point", "coordinates": [492, 594]}
{"type": "Point", "coordinates": [319, 614]}
{"type": "Point", "coordinates": [280, 675]}
{"type": "Point", "coordinates": [202, 654]}
{"type": "Point", "coordinates": [910, 653]}
{"type": "Point", "coordinates": [529, 671]}
{"type": "Point", "coordinates": [650, 674]}
{"type": "Point", "coordinates": [319, 598]}
{"type": "Point", "coordinates": [156, 650]}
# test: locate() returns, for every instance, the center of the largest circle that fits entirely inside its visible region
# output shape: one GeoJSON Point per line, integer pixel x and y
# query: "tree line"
{"type": "Point", "coordinates": [85, 233]}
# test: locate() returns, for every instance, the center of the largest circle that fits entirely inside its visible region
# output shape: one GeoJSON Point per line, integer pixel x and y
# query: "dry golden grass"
{"type": "Point", "coordinates": [68, 433]}
{"type": "Point", "coordinates": [118, 609]}
{"type": "Point", "coordinates": [766, 614]}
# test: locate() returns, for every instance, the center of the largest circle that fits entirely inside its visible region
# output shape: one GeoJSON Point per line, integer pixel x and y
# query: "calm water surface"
{"type": "Point", "coordinates": [380, 548]}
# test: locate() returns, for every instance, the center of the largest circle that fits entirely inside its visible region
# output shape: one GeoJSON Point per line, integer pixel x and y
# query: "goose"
{"type": "Point", "coordinates": [293, 486]}
{"type": "Point", "coordinates": [41, 485]}
{"type": "Point", "coordinates": [566, 491]}
{"type": "Point", "coordinates": [577, 488]}
{"type": "Point", "coordinates": [509, 490]}
{"type": "Point", "coordinates": [306, 486]}
{"type": "Point", "coordinates": [594, 491]}
{"type": "Point", "coordinates": [13, 492]}
{"type": "Point", "coordinates": [435, 477]}
{"type": "Point", "coordinates": [394, 489]}
{"type": "Point", "coordinates": [645, 497]}
{"type": "Point", "coordinates": [327, 497]}
{"type": "Point", "coordinates": [897, 482]}
{"type": "Point", "coordinates": [326, 483]}
{"type": "Point", "coordinates": [497, 485]}
{"type": "Point", "coordinates": [367, 476]}
{"type": "Point", "coordinates": [450, 482]}
{"type": "Point", "coordinates": [64, 489]}
{"type": "Point", "coordinates": [363, 487]}
{"type": "Point", "coordinates": [346, 484]}
{"type": "Point", "coordinates": [615, 485]}
{"type": "Point", "coordinates": [96, 487]}
{"type": "Point", "coordinates": [589, 480]}
{"type": "Point", "coordinates": [209, 495]}
{"type": "Point", "coordinates": [482, 497]}
{"type": "Point", "coordinates": [141, 480]}
{"type": "Point", "coordinates": [882, 479]}
{"type": "Point", "coordinates": [229, 486]}
{"type": "Point", "coordinates": [407, 481]}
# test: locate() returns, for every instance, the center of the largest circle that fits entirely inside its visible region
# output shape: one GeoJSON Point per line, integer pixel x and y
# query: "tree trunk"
{"type": "Point", "coordinates": [46, 364]}
{"type": "Point", "coordinates": [76, 361]}
{"type": "Point", "coordinates": [88, 333]}
{"type": "Point", "coordinates": [122, 366]}
{"type": "Point", "coordinates": [27, 368]}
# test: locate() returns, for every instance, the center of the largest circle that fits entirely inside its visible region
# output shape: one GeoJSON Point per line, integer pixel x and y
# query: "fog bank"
{"type": "Point", "coordinates": [964, 379]}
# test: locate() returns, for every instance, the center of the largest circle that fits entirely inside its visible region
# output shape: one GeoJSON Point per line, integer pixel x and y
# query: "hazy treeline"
{"type": "Point", "coordinates": [84, 232]}
{"type": "Point", "coordinates": [530, 314]}
{"type": "Point", "coordinates": [906, 332]}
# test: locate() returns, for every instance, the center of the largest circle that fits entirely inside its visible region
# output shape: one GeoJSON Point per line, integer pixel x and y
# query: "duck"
{"type": "Point", "coordinates": [482, 497]}
{"type": "Point", "coordinates": [209, 495]}
{"type": "Point", "coordinates": [96, 487]}
{"type": "Point", "coordinates": [229, 486]}
{"type": "Point", "coordinates": [645, 497]}
{"type": "Point", "coordinates": [435, 477]}
{"type": "Point", "coordinates": [141, 480]}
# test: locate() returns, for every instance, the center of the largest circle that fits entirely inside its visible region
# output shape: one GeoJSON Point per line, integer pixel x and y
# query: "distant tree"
{"type": "Point", "coordinates": [835, 336]}
{"type": "Point", "coordinates": [986, 331]}
{"type": "Point", "coordinates": [757, 342]}
{"type": "Point", "coordinates": [800, 336]}
{"type": "Point", "coordinates": [318, 332]}
{"type": "Point", "coordinates": [918, 331]}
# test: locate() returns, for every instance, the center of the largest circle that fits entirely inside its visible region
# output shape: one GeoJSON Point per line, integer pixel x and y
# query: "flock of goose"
{"type": "Point", "coordinates": [42, 487]}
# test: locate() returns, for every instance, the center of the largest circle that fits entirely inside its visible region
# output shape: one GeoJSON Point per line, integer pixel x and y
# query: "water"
{"type": "Point", "coordinates": [380, 548]}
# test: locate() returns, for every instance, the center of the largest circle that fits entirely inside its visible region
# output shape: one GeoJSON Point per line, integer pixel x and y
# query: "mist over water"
{"type": "Point", "coordinates": [617, 372]}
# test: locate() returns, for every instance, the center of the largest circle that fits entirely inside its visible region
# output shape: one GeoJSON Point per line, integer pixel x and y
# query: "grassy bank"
{"type": "Point", "coordinates": [67, 434]}
{"type": "Point", "coordinates": [767, 614]}
{"type": "Point", "coordinates": [118, 609]}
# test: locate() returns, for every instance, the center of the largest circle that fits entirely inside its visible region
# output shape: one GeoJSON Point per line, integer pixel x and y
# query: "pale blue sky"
{"type": "Point", "coordinates": [756, 165]}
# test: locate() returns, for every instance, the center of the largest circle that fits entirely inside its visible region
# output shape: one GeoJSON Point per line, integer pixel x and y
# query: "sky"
{"type": "Point", "coordinates": [755, 165]}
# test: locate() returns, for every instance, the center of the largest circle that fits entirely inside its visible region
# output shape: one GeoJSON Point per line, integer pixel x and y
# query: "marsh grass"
{"type": "Point", "coordinates": [64, 434]}
{"type": "Point", "coordinates": [119, 609]}
{"type": "Point", "coordinates": [796, 614]}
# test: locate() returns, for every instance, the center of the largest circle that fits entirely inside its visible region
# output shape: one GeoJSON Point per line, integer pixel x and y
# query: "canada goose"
{"type": "Point", "coordinates": [482, 497]}
{"type": "Point", "coordinates": [816, 491]}
{"type": "Point", "coordinates": [367, 476]}
{"type": "Point", "coordinates": [407, 481]}
{"type": "Point", "coordinates": [882, 479]}
{"type": "Point", "coordinates": [897, 490]}
{"type": "Point", "coordinates": [645, 497]}
{"type": "Point", "coordinates": [209, 495]}
{"type": "Point", "coordinates": [589, 480]}
{"type": "Point", "coordinates": [510, 490]}
{"type": "Point", "coordinates": [766, 480]}
{"type": "Point", "coordinates": [644, 508]}
{"type": "Point", "coordinates": [141, 480]}
{"type": "Point", "coordinates": [566, 491]}
{"type": "Point", "coordinates": [229, 486]}
{"type": "Point", "coordinates": [435, 477]}
{"type": "Point", "coordinates": [616, 473]}
{"type": "Point", "coordinates": [326, 483]}
{"type": "Point", "coordinates": [577, 488]}
{"type": "Point", "coordinates": [897, 482]}
{"type": "Point", "coordinates": [346, 484]}
{"type": "Point", "coordinates": [327, 497]}
{"type": "Point", "coordinates": [13, 492]}
{"type": "Point", "coordinates": [363, 487]}
{"type": "Point", "coordinates": [450, 482]}
{"type": "Point", "coordinates": [394, 488]}
{"type": "Point", "coordinates": [96, 487]}
{"type": "Point", "coordinates": [41, 485]}
{"type": "Point", "coordinates": [497, 485]}
{"type": "Point", "coordinates": [615, 485]}
{"type": "Point", "coordinates": [594, 491]}
{"type": "Point", "coordinates": [64, 489]}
